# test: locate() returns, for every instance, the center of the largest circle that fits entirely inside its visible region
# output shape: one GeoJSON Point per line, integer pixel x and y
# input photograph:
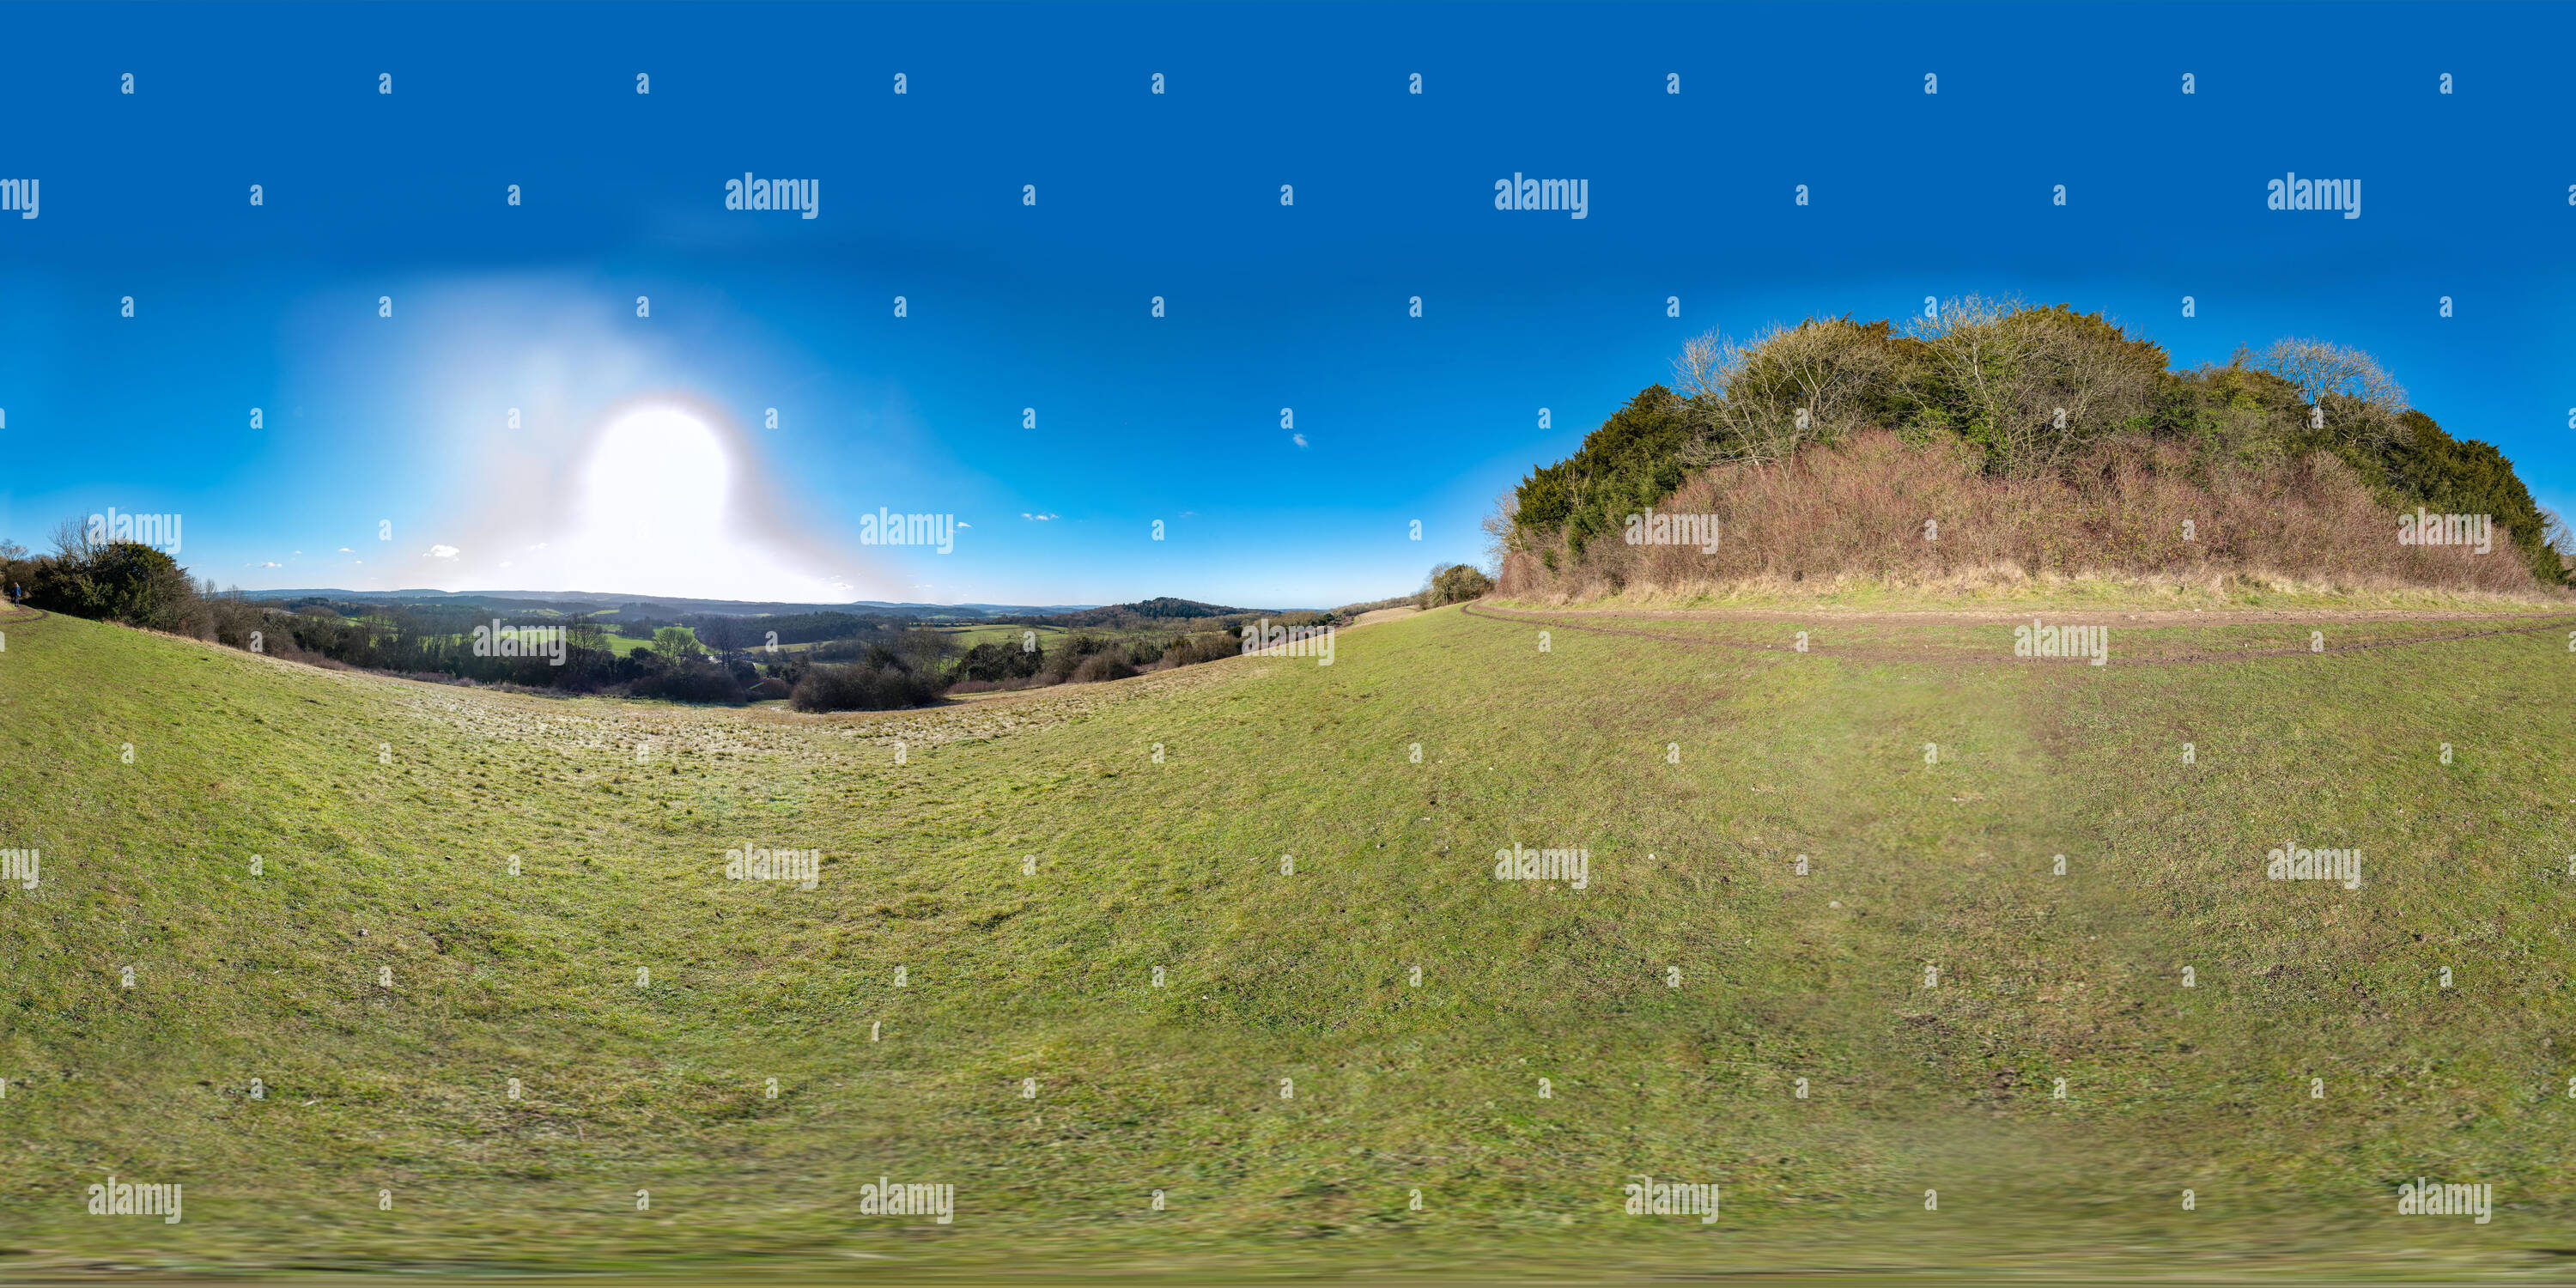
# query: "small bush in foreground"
{"type": "Point", "coordinates": [862, 688]}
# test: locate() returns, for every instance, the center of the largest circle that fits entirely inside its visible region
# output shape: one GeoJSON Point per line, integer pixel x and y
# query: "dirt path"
{"type": "Point", "coordinates": [2084, 616]}
{"type": "Point", "coordinates": [1819, 623]}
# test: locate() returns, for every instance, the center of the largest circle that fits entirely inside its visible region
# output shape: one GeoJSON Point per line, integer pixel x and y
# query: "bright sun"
{"type": "Point", "coordinates": [658, 476]}
{"type": "Point", "coordinates": [652, 515]}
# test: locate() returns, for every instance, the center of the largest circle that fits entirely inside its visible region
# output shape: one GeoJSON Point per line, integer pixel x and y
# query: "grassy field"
{"type": "Point", "coordinates": [934, 1012]}
{"type": "Point", "coordinates": [970, 636]}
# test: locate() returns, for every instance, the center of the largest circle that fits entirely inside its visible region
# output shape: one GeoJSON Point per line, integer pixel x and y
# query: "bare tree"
{"type": "Point", "coordinates": [2359, 400]}
{"type": "Point", "coordinates": [2034, 386]}
{"type": "Point", "coordinates": [72, 543]}
{"type": "Point", "coordinates": [1502, 527]}
{"type": "Point", "coordinates": [1759, 402]}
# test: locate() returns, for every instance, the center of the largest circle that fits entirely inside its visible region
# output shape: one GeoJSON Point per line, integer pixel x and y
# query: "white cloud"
{"type": "Point", "coordinates": [272, 564]}
{"type": "Point", "coordinates": [963, 524]}
{"type": "Point", "coordinates": [1298, 439]}
{"type": "Point", "coordinates": [441, 552]}
{"type": "Point", "coordinates": [1039, 517]}
{"type": "Point", "coordinates": [347, 551]}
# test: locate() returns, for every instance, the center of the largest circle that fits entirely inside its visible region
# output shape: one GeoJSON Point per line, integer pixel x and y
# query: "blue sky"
{"type": "Point", "coordinates": [373, 424]}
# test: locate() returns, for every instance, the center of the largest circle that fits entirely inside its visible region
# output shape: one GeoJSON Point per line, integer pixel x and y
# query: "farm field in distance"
{"type": "Point", "coordinates": [1834, 871]}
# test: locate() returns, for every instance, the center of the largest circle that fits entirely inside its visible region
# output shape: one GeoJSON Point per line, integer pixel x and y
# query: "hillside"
{"type": "Point", "coordinates": [933, 1013]}
{"type": "Point", "coordinates": [2003, 444]}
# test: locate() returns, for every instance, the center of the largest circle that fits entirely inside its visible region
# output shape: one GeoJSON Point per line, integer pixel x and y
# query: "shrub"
{"type": "Point", "coordinates": [1859, 507]}
{"type": "Point", "coordinates": [120, 581]}
{"type": "Point", "coordinates": [994, 661]}
{"type": "Point", "coordinates": [1455, 584]}
{"type": "Point", "coordinates": [862, 688]}
{"type": "Point", "coordinates": [1635, 457]}
{"type": "Point", "coordinates": [699, 681]}
{"type": "Point", "coordinates": [1194, 649]}
{"type": "Point", "coordinates": [1101, 666]}
{"type": "Point", "coordinates": [1069, 656]}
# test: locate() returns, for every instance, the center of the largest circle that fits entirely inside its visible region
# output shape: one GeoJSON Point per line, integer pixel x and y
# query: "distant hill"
{"type": "Point", "coordinates": [585, 600]}
{"type": "Point", "coordinates": [1166, 606]}
{"type": "Point", "coordinates": [1160, 611]}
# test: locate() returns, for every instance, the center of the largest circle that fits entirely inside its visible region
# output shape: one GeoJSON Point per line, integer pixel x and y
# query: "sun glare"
{"type": "Point", "coordinates": [658, 476]}
{"type": "Point", "coordinates": [653, 514]}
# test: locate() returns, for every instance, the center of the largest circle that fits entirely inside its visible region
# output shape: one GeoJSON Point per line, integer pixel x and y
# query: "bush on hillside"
{"type": "Point", "coordinates": [1194, 649]}
{"type": "Point", "coordinates": [1455, 584]}
{"type": "Point", "coordinates": [2024, 398]}
{"type": "Point", "coordinates": [1860, 507]}
{"type": "Point", "coordinates": [117, 581]}
{"type": "Point", "coordinates": [995, 661]}
{"type": "Point", "coordinates": [1110, 665]}
{"type": "Point", "coordinates": [697, 680]}
{"type": "Point", "coordinates": [862, 687]}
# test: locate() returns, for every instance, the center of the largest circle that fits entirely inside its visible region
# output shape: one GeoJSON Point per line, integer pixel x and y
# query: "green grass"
{"type": "Point", "coordinates": [968, 636]}
{"type": "Point", "coordinates": [618, 644]}
{"type": "Point", "coordinates": [1306, 976]}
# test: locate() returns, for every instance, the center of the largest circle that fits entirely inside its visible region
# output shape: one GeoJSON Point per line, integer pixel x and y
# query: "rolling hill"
{"type": "Point", "coordinates": [1210, 971]}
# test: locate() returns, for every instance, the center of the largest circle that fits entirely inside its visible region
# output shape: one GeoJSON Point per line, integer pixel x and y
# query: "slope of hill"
{"type": "Point", "coordinates": [1233, 936]}
{"type": "Point", "coordinates": [2004, 443]}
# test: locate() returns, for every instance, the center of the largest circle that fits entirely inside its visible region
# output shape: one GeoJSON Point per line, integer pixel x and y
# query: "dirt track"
{"type": "Point", "coordinates": [1820, 622]}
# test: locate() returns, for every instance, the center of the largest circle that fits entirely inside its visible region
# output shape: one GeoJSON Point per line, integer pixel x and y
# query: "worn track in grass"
{"type": "Point", "coordinates": [1557, 618]}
